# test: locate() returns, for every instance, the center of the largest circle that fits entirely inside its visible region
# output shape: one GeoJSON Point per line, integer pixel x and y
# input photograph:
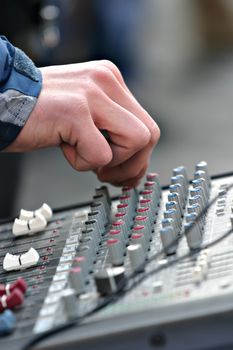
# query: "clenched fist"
{"type": "Point", "coordinates": [76, 102]}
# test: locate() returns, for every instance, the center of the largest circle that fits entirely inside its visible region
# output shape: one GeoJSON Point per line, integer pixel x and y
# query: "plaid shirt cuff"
{"type": "Point", "coordinates": [18, 93]}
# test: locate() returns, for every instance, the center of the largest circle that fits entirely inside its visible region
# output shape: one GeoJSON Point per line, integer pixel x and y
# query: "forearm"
{"type": "Point", "coordinates": [20, 85]}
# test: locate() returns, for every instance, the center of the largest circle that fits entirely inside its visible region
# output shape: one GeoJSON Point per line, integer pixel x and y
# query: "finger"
{"type": "Point", "coordinates": [86, 149]}
{"type": "Point", "coordinates": [115, 87]}
{"type": "Point", "coordinates": [128, 134]}
{"type": "Point", "coordinates": [131, 170]}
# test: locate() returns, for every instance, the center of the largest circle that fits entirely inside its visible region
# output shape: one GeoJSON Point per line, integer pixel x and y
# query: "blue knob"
{"type": "Point", "coordinates": [7, 322]}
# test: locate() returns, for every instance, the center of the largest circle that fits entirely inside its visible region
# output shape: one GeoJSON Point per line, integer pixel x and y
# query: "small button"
{"type": "Point", "coordinates": [60, 277]}
{"type": "Point", "coordinates": [66, 258]}
{"type": "Point", "coordinates": [57, 287]}
{"type": "Point", "coordinates": [69, 249]}
{"type": "Point", "coordinates": [63, 267]}
{"type": "Point", "coordinates": [72, 240]}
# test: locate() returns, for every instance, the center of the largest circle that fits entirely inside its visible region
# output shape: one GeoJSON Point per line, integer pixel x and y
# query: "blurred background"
{"type": "Point", "coordinates": [177, 58]}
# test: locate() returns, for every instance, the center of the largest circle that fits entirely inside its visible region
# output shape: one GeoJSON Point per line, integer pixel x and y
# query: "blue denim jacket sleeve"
{"type": "Point", "coordinates": [20, 85]}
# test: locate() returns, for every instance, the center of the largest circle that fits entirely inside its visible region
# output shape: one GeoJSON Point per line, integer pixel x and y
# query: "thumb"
{"type": "Point", "coordinates": [90, 151]}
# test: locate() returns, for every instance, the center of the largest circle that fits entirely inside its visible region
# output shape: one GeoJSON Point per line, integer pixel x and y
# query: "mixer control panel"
{"type": "Point", "coordinates": [56, 267]}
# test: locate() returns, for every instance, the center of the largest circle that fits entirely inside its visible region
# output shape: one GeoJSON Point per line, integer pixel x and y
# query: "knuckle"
{"type": "Point", "coordinates": [112, 66]}
{"type": "Point", "coordinates": [141, 138]}
{"type": "Point", "coordinates": [101, 159]}
{"type": "Point", "coordinates": [102, 74]}
{"type": "Point", "coordinates": [114, 69]}
{"type": "Point", "coordinates": [155, 134]}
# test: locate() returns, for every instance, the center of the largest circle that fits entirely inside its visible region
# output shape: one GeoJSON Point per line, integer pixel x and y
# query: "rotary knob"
{"type": "Point", "coordinates": [110, 280]}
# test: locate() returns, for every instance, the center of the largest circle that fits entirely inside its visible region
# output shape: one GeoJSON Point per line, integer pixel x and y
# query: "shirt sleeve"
{"type": "Point", "coordinates": [20, 86]}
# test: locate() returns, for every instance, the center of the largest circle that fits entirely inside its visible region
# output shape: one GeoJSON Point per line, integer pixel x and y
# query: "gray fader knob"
{"type": "Point", "coordinates": [93, 224]}
{"type": "Point", "coordinates": [99, 206]}
{"type": "Point", "coordinates": [197, 200]}
{"type": "Point", "coordinates": [177, 188]}
{"type": "Point", "coordinates": [193, 235]}
{"type": "Point", "coordinates": [199, 191]}
{"type": "Point", "coordinates": [77, 281]}
{"type": "Point", "coordinates": [149, 194]}
{"type": "Point", "coordinates": [85, 250]}
{"type": "Point", "coordinates": [202, 166]}
{"type": "Point", "coordinates": [154, 177]}
{"type": "Point", "coordinates": [175, 197]}
{"type": "Point", "coordinates": [121, 225]}
{"type": "Point", "coordinates": [136, 257]}
{"type": "Point", "coordinates": [124, 217]}
{"type": "Point", "coordinates": [139, 238]}
{"type": "Point", "coordinates": [118, 234]}
{"type": "Point", "coordinates": [91, 232]}
{"type": "Point", "coordinates": [144, 221]}
{"type": "Point", "coordinates": [180, 179]}
{"type": "Point", "coordinates": [116, 251]}
{"type": "Point", "coordinates": [96, 215]}
{"type": "Point", "coordinates": [174, 205]}
{"type": "Point", "coordinates": [180, 170]}
{"type": "Point", "coordinates": [152, 185]}
{"type": "Point", "coordinates": [68, 299]}
{"type": "Point", "coordinates": [81, 261]}
{"type": "Point", "coordinates": [110, 280]}
{"type": "Point", "coordinates": [169, 239]}
{"type": "Point", "coordinates": [201, 183]}
{"type": "Point", "coordinates": [172, 213]}
{"type": "Point", "coordinates": [130, 191]}
{"type": "Point", "coordinates": [146, 211]}
{"type": "Point", "coordinates": [142, 229]}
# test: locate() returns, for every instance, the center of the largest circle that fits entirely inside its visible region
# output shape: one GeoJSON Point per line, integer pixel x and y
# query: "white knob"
{"type": "Point", "coordinates": [29, 259]}
{"type": "Point", "coordinates": [11, 262]}
{"type": "Point", "coordinates": [23, 227]}
{"type": "Point", "coordinates": [19, 262]}
{"type": "Point", "coordinates": [46, 211]}
{"type": "Point", "coordinates": [37, 224]}
{"type": "Point", "coordinates": [26, 214]}
{"type": "Point", "coordinates": [20, 227]}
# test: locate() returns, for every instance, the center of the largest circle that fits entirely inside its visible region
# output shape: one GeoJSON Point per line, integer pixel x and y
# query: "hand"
{"type": "Point", "coordinates": [78, 100]}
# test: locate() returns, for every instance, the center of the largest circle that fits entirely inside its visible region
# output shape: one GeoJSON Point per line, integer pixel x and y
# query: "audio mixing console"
{"type": "Point", "coordinates": [154, 257]}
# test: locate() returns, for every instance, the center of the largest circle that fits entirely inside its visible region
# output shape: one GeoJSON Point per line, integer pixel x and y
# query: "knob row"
{"type": "Point", "coordinates": [191, 202]}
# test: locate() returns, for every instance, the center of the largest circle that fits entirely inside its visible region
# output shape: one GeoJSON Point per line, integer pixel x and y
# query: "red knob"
{"type": "Point", "coordinates": [18, 284]}
{"type": "Point", "coordinates": [16, 298]}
